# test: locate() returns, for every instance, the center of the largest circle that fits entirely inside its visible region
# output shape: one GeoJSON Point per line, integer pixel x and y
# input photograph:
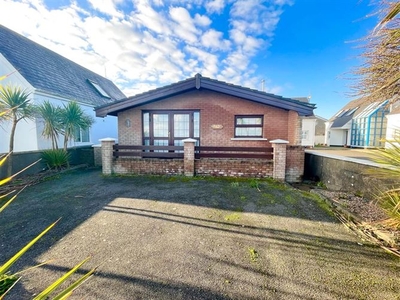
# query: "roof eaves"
{"type": "Point", "coordinates": [146, 97]}
{"type": "Point", "coordinates": [199, 82]}
{"type": "Point", "coordinates": [265, 98]}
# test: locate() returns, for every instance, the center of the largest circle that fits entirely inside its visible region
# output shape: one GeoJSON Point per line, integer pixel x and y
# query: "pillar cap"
{"type": "Point", "coordinates": [189, 140]}
{"type": "Point", "coordinates": [279, 141]}
{"type": "Point", "coordinates": [108, 140]}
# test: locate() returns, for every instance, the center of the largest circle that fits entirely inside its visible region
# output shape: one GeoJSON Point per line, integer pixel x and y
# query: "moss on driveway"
{"type": "Point", "coordinates": [200, 238]}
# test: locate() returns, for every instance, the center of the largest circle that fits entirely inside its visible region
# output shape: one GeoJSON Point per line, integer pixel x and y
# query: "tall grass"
{"type": "Point", "coordinates": [389, 199]}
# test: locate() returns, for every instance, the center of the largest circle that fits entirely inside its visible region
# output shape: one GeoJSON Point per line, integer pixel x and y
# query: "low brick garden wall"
{"type": "Point", "coordinates": [287, 163]}
{"type": "Point", "coordinates": [148, 166]}
{"type": "Point", "coordinates": [234, 167]}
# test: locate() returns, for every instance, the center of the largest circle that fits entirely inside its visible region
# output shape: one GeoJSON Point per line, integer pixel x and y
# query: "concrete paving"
{"type": "Point", "coordinates": [178, 238]}
{"type": "Point", "coordinates": [365, 156]}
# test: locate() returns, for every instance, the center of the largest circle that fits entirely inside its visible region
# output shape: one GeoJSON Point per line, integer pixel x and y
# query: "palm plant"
{"type": "Point", "coordinates": [73, 118]}
{"type": "Point", "coordinates": [52, 122]}
{"type": "Point", "coordinates": [17, 104]}
{"type": "Point", "coordinates": [377, 78]}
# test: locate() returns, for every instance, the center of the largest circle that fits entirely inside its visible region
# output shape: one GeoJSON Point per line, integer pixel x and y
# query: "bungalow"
{"type": "Point", "coordinates": [215, 115]}
{"type": "Point", "coordinates": [50, 76]}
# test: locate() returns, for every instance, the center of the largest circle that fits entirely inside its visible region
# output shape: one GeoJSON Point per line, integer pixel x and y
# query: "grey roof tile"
{"type": "Point", "coordinates": [52, 73]}
{"type": "Point", "coordinates": [199, 82]}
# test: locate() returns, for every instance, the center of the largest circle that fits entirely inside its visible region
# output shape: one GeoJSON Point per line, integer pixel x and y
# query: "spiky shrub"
{"type": "Point", "coordinates": [8, 279]}
{"type": "Point", "coordinates": [389, 199]}
{"type": "Point", "coordinates": [390, 202]}
{"type": "Point", "coordinates": [55, 158]}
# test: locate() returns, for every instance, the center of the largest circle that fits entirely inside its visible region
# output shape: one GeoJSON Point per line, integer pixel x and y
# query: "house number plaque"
{"type": "Point", "coordinates": [217, 126]}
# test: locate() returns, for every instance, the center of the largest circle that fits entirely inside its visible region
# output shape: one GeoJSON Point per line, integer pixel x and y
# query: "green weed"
{"type": "Point", "coordinates": [232, 217]}
{"type": "Point", "coordinates": [253, 254]}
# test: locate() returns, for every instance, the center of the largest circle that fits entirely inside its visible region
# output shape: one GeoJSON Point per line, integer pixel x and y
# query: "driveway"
{"type": "Point", "coordinates": [179, 238]}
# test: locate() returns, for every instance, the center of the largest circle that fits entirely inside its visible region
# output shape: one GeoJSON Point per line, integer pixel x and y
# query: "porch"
{"type": "Point", "coordinates": [281, 161]}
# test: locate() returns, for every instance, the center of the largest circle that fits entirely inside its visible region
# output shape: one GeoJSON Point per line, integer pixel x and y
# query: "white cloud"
{"type": "Point", "coordinates": [107, 7]}
{"type": "Point", "coordinates": [202, 20]}
{"type": "Point", "coordinates": [184, 25]}
{"type": "Point", "coordinates": [207, 63]}
{"type": "Point", "coordinates": [158, 42]}
{"type": "Point", "coordinates": [215, 6]}
{"type": "Point", "coordinates": [214, 40]}
{"type": "Point", "coordinates": [246, 8]}
{"type": "Point", "coordinates": [149, 18]}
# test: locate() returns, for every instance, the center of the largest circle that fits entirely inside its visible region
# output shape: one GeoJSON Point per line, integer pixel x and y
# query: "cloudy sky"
{"type": "Point", "coordinates": [290, 47]}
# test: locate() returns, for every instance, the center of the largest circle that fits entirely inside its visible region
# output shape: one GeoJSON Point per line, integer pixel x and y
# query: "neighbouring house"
{"type": "Point", "coordinates": [360, 124]}
{"type": "Point", "coordinates": [212, 116]}
{"type": "Point", "coordinates": [320, 130]}
{"type": "Point", "coordinates": [313, 131]}
{"type": "Point", "coordinates": [50, 76]}
{"type": "Point", "coordinates": [312, 127]}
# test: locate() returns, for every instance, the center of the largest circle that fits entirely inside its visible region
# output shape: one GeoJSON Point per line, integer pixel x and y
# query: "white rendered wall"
{"type": "Point", "coordinates": [308, 132]}
{"type": "Point", "coordinates": [104, 128]}
{"type": "Point", "coordinates": [337, 137]}
{"type": "Point", "coordinates": [25, 138]}
{"type": "Point", "coordinates": [327, 133]}
{"type": "Point", "coordinates": [319, 140]}
{"type": "Point", "coordinates": [393, 127]}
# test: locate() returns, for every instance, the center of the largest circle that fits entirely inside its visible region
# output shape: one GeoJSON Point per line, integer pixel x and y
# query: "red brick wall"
{"type": "Point", "coordinates": [295, 157]}
{"type": "Point", "coordinates": [215, 108]}
{"type": "Point", "coordinates": [207, 166]}
{"type": "Point", "coordinates": [148, 166]}
{"type": "Point", "coordinates": [294, 128]}
{"type": "Point", "coordinates": [234, 167]}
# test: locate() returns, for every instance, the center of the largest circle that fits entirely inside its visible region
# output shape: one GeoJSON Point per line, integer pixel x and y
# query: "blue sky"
{"type": "Point", "coordinates": [298, 47]}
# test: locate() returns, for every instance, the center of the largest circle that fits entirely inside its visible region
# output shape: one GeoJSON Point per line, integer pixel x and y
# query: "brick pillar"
{"type": "Point", "coordinates": [188, 156]}
{"type": "Point", "coordinates": [279, 159]}
{"type": "Point", "coordinates": [107, 154]}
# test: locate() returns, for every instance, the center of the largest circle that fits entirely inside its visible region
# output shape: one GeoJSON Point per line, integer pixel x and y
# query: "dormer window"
{"type": "Point", "coordinates": [99, 89]}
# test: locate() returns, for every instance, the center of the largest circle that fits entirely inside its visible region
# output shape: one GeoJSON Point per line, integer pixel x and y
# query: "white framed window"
{"type": "Point", "coordinates": [82, 135]}
{"type": "Point", "coordinates": [249, 126]}
{"type": "Point", "coordinates": [304, 134]}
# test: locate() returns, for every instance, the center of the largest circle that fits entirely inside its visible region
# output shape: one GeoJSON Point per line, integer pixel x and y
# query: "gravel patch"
{"type": "Point", "coordinates": [367, 210]}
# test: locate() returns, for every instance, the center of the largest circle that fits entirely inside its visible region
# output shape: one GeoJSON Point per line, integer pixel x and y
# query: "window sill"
{"type": "Point", "coordinates": [249, 139]}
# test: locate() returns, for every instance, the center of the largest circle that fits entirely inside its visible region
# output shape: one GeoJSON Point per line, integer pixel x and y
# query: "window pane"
{"type": "Point", "coordinates": [160, 123]}
{"type": "Point", "coordinates": [146, 124]}
{"type": "Point", "coordinates": [178, 142]}
{"type": "Point", "coordinates": [181, 125]}
{"type": "Point", "coordinates": [85, 135]}
{"type": "Point", "coordinates": [248, 121]}
{"type": "Point", "coordinates": [160, 143]}
{"type": "Point", "coordinates": [77, 135]}
{"type": "Point", "coordinates": [248, 131]}
{"type": "Point", "coordinates": [196, 125]}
